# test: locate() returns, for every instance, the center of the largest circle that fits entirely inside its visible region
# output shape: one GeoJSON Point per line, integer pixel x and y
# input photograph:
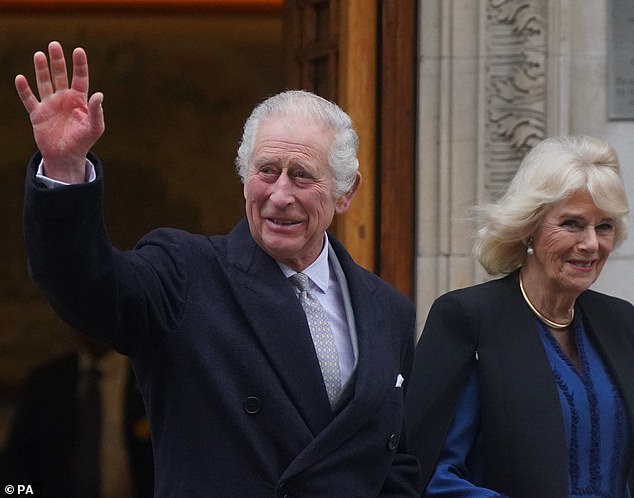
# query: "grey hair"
{"type": "Point", "coordinates": [554, 169]}
{"type": "Point", "coordinates": [342, 157]}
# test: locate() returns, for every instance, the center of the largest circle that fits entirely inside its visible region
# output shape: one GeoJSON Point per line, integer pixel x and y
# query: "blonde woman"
{"type": "Point", "coordinates": [524, 386]}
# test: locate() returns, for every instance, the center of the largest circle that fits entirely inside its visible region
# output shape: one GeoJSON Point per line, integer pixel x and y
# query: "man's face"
{"type": "Point", "coordinates": [290, 190]}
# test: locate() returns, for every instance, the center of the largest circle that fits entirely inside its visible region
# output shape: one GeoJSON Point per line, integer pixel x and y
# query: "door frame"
{"type": "Point", "coordinates": [378, 89]}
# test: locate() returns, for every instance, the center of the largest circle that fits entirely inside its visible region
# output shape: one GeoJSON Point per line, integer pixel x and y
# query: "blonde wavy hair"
{"type": "Point", "coordinates": [554, 169]}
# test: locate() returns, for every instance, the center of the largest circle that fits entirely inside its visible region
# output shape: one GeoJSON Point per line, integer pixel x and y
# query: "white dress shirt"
{"type": "Point", "coordinates": [325, 287]}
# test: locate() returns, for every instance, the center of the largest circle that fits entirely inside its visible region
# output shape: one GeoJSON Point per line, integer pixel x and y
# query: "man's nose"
{"type": "Point", "coordinates": [282, 190]}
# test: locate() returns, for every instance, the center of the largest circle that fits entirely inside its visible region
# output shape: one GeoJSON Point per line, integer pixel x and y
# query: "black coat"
{"type": "Point", "coordinates": [223, 354]}
{"type": "Point", "coordinates": [525, 449]}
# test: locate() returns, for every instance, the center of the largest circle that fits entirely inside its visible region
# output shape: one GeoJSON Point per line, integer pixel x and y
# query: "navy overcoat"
{"type": "Point", "coordinates": [222, 351]}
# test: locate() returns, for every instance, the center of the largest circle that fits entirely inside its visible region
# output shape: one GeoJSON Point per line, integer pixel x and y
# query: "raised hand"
{"type": "Point", "coordinates": [66, 123]}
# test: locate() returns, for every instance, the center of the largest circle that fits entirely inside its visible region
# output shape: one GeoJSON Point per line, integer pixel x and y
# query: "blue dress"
{"type": "Point", "coordinates": [595, 422]}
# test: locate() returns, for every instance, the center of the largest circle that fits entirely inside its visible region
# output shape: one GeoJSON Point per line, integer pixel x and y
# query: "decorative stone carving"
{"type": "Point", "coordinates": [515, 86]}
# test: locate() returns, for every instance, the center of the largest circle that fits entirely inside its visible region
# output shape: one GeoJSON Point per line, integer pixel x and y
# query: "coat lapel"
{"type": "Point", "coordinates": [276, 316]}
{"type": "Point", "coordinates": [265, 296]}
{"type": "Point", "coordinates": [531, 395]}
{"type": "Point", "coordinates": [372, 374]}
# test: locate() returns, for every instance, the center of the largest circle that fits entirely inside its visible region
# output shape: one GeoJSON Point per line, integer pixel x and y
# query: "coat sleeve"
{"type": "Point", "coordinates": [445, 354]}
{"type": "Point", "coordinates": [454, 474]}
{"type": "Point", "coordinates": [90, 284]}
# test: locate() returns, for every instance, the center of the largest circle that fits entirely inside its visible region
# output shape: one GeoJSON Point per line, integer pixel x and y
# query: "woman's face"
{"type": "Point", "coordinates": [572, 244]}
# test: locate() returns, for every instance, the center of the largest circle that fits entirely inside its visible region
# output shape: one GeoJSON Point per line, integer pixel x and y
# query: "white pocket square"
{"type": "Point", "coordinates": [399, 381]}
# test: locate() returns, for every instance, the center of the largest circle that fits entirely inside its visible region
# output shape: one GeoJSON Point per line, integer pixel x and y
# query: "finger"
{"type": "Point", "coordinates": [58, 66]}
{"type": "Point", "coordinates": [26, 94]}
{"type": "Point", "coordinates": [95, 112]}
{"type": "Point", "coordinates": [42, 75]}
{"type": "Point", "coordinates": [80, 71]}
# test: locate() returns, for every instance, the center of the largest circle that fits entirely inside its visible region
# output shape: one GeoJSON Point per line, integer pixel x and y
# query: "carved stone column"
{"type": "Point", "coordinates": [515, 89]}
{"type": "Point", "coordinates": [482, 104]}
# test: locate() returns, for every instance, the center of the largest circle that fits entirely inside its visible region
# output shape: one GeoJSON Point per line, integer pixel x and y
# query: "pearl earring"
{"type": "Point", "coordinates": [529, 249]}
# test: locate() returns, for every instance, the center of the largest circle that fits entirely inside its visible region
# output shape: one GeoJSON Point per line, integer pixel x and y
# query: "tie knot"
{"type": "Point", "coordinates": [300, 281]}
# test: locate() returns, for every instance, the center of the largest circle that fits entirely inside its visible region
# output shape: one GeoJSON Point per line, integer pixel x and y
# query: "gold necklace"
{"type": "Point", "coordinates": [550, 323]}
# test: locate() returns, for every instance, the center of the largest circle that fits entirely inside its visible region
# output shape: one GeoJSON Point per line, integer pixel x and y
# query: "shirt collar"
{"type": "Point", "coordinates": [318, 272]}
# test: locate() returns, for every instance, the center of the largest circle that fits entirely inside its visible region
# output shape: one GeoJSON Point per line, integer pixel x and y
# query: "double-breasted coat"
{"type": "Point", "coordinates": [221, 348]}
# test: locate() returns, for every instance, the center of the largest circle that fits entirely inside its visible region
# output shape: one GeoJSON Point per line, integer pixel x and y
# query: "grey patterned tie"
{"type": "Point", "coordinates": [322, 335]}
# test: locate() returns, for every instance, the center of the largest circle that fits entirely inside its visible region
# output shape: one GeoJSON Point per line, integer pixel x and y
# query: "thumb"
{"type": "Point", "coordinates": [95, 112]}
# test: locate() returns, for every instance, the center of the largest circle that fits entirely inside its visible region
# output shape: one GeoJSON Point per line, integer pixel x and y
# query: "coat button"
{"type": "Point", "coordinates": [252, 405]}
{"type": "Point", "coordinates": [392, 442]}
{"type": "Point", "coordinates": [282, 491]}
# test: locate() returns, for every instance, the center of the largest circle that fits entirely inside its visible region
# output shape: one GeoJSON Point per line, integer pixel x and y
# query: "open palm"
{"type": "Point", "coordinates": [66, 124]}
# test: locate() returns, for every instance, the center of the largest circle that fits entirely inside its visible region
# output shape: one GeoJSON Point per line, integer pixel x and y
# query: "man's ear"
{"type": "Point", "coordinates": [344, 202]}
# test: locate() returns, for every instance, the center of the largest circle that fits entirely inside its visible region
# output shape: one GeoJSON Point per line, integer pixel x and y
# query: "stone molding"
{"type": "Point", "coordinates": [484, 70]}
{"type": "Point", "coordinates": [515, 74]}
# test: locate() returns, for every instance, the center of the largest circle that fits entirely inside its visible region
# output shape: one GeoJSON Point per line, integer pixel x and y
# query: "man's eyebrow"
{"type": "Point", "coordinates": [265, 160]}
